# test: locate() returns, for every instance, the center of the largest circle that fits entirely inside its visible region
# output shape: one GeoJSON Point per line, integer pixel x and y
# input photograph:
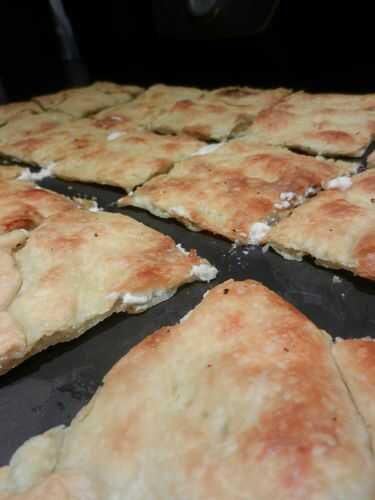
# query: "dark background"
{"type": "Point", "coordinates": [317, 45]}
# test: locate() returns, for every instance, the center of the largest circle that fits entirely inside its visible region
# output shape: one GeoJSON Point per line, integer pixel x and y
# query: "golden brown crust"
{"type": "Point", "coordinates": [20, 138]}
{"type": "Point", "coordinates": [356, 359]}
{"type": "Point", "coordinates": [10, 172]}
{"type": "Point", "coordinates": [337, 228]}
{"type": "Point", "coordinates": [79, 267]}
{"type": "Point", "coordinates": [320, 123]}
{"type": "Point", "coordinates": [209, 409]}
{"type": "Point", "coordinates": [240, 184]}
{"type": "Point", "coordinates": [24, 205]}
{"type": "Point", "coordinates": [15, 110]}
{"type": "Point", "coordinates": [204, 120]}
{"type": "Point", "coordinates": [123, 159]}
{"type": "Point", "coordinates": [252, 100]}
{"type": "Point", "coordinates": [82, 101]}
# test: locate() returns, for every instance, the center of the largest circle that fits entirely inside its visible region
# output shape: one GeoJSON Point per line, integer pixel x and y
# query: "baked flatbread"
{"type": "Point", "coordinates": [140, 113]}
{"type": "Point", "coordinates": [162, 96]}
{"type": "Point", "coordinates": [45, 147]}
{"type": "Point", "coordinates": [24, 205]}
{"type": "Point", "coordinates": [124, 159]}
{"type": "Point", "coordinates": [15, 110]}
{"type": "Point", "coordinates": [204, 120]}
{"type": "Point", "coordinates": [82, 101]}
{"type": "Point", "coordinates": [251, 100]}
{"type": "Point", "coordinates": [126, 117]}
{"type": "Point", "coordinates": [20, 136]}
{"type": "Point", "coordinates": [236, 190]}
{"type": "Point", "coordinates": [77, 268]}
{"type": "Point", "coordinates": [321, 124]}
{"type": "Point", "coordinates": [337, 227]}
{"type": "Point", "coordinates": [9, 172]}
{"type": "Point", "coordinates": [240, 400]}
{"type": "Point", "coordinates": [356, 360]}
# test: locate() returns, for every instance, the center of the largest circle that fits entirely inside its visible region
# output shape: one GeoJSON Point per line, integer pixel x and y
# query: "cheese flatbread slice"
{"type": "Point", "coordinates": [125, 117]}
{"type": "Point", "coordinates": [59, 142]}
{"type": "Point", "coordinates": [242, 399]}
{"type": "Point", "coordinates": [321, 124]}
{"type": "Point", "coordinates": [82, 101]}
{"type": "Point", "coordinates": [251, 100]}
{"type": "Point", "coordinates": [124, 159]}
{"type": "Point", "coordinates": [337, 228]}
{"type": "Point", "coordinates": [15, 110]}
{"type": "Point", "coordinates": [356, 360]}
{"type": "Point", "coordinates": [24, 205]}
{"type": "Point", "coordinates": [16, 138]}
{"type": "Point", "coordinates": [204, 120]}
{"type": "Point", "coordinates": [141, 112]}
{"type": "Point", "coordinates": [162, 96]}
{"type": "Point", "coordinates": [236, 190]}
{"type": "Point", "coordinates": [77, 268]}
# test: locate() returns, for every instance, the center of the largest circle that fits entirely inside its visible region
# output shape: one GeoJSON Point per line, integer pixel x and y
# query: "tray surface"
{"type": "Point", "coordinates": [51, 387]}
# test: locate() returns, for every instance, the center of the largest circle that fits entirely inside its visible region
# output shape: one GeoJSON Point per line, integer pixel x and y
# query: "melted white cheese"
{"type": "Point", "coordinates": [204, 272]}
{"type": "Point", "coordinates": [182, 249]}
{"type": "Point", "coordinates": [343, 182]}
{"type": "Point", "coordinates": [139, 302]}
{"type": "Point", "coordinates": [47, 171]}
{"type": "Point", "coordinates": [114, 135]}
{"type": "Point", "coordinates": [207, 149]}
{"type": "Point", "coordinates": [257, 232]}
{"type": "Point", "coordinates": [180, 212]}
{"type": "Point", "coordinates": [95, 207]}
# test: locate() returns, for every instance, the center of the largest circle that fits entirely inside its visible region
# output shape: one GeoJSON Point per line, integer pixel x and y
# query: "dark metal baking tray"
{"type": "Point", "coordinates": [51, 387]}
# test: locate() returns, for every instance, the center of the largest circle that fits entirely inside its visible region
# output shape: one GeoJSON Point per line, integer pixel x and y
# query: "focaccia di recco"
{"type": "Point", "coordinates": [241, 399]}
{"type": "Point", "coordinates": [64, 268]}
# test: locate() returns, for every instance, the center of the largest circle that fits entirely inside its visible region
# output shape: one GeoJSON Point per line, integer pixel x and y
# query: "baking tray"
{"type": "Point", "coordinates": [51, 387]}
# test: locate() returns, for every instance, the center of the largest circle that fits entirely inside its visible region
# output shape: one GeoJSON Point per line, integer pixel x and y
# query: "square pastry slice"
{"type": "Point", "coordinates": [124, 159]}
{"type": "Point", "coordinates": [328, 124]}
{"type": "Point", "coordinates": [15, 110]}
{"type": "Point", "coordinates": [235, 191]}
{"type": "Point", "coordinates": [201, 119]}
{"type": "Point", "coordinates": [77, 268]}
{"type": "Point", "coordinates": [356, 360]}
{"type": "Point", "coordinates": [82, 101]}
{"type": "Point", "coordinates": [42, 148]}
{"type": "Point", "coordinates": [24, 205]}
{"type": "Point", "coordinates": [337, 227]}
{"type": "Point", "coordinates": [136, 115]}
{"type": "Point", "coordinates": [251, 100]}
{"type": "Point", "coordinates": [19, 137]}
{"type": "Point", "coordinates": [161, 96]}
{"type": "Point", "coordinates": [241, 399]}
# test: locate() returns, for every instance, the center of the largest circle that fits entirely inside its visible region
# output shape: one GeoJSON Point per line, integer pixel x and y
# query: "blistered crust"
{"type": "Point", "coordinates": [337, 228]}
{"type": "Point", "coordinates": [356, 360]}
{"type": "Point", "coordinates": [16, 110]}
{"type": "Point", "coordinates": [204, 120]}
{"type": "Point", "coordinates": [18, 136]}
{"type": "Point", "coordinates": [209, 409]}
{"type": "Point", "coordinates": [253, 100]}
{"type": "Point", "coordinates": [77, 268]}
{"type": "Point", "coordinates": [124, 159]}
{"type": "Point", "coordinates": [236, 186]}
{"type": "Point", "coordinates": [83, 101]}
{"type": "Point", "coordinates": [24, 205]}
{"type": "Point", "coordinates": [336, 124]}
